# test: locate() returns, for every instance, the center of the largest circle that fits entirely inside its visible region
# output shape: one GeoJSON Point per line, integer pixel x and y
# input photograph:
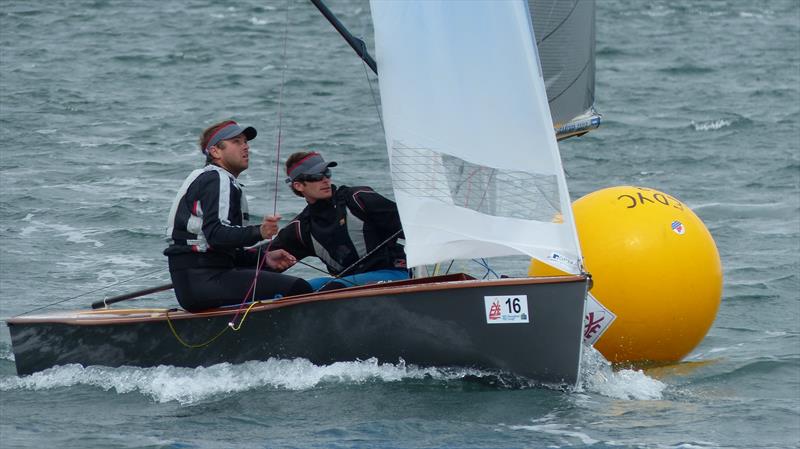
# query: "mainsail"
{"type": "Point", "coordinates": [475, 164]}
{"type": "Point", "coordinates": [565, 37]}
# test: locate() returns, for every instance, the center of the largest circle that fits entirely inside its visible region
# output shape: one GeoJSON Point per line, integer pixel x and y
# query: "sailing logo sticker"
{"type": "Point", "coordinates": [677, 226]}
{"type": "Point", "coordinates": [506, 309]}
{"type": "Point", "coordinates": [565, 263]}
{"type": "Point", "coordinates": [495, 311]}
{"type": "Point", "coordinates": [596, 321]}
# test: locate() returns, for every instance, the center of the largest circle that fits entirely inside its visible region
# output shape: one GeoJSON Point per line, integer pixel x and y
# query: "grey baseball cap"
{"type": "Point", "coordinates": [312, 164]}
{"type": "Point", "coordinates": [229, 130]}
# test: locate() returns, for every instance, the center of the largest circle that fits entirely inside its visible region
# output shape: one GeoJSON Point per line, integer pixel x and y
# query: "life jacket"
{"type": "Point", "coordinates": [215, 230]}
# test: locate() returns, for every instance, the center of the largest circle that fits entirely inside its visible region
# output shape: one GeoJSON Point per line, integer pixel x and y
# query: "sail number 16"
{"type": "Point", "coordinates": [513, 306]}
{"type": "Point", "coordinates": [506, 309]}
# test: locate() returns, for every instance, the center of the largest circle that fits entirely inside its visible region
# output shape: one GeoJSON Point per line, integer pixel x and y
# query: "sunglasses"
{"type": "Point", "coordinates": [317, 177]}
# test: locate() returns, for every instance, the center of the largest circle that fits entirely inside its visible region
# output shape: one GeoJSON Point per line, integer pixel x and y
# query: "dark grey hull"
{"type": "Point", "coordinates": [430, 323]}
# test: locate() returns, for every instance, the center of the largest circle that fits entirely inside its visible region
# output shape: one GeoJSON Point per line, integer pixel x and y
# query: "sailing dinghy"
{"type": "Point", "coordinates": [476, 173]}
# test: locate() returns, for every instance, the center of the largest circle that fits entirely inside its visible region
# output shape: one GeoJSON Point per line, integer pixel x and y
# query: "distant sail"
{"type": "Point", "coordinates": [475, 164]}
{"type": "Point", "coordinates": [565, 36]}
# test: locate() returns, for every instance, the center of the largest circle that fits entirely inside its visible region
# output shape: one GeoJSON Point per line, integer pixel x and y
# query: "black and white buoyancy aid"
{"type": "Point", "coordinates": [209, 215]}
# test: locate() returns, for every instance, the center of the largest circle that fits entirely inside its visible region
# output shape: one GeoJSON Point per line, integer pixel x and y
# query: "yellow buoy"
{"type": "Point", "coordinates": [654, 265]}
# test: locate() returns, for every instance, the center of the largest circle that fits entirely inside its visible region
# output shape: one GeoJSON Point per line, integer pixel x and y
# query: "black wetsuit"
{"type": "Point", "coordinates": [344, 229]}
{"type": "Point", "coordinates": [207, 233]}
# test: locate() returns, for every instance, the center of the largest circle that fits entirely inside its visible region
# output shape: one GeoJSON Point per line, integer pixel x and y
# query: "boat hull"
{"type": "Point", "coordinates": [440, 324]}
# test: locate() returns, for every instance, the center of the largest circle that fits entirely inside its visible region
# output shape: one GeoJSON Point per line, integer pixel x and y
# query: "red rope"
{"type": "Point", "coordinates": [262, 258]}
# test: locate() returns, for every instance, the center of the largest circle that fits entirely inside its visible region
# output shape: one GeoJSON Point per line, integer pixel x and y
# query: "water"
{"type": "Point", "coordinates": [100, 106]}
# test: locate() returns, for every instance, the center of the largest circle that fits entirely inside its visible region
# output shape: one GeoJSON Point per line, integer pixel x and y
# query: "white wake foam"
{"type": "Point", "coordinates": [6, 353]}
{"type": "Point", "coordinates": [70, 233]}
{"type": "Point", "coordinates": [597, 376]}
{"type": "Point", "coordinates": [549, 426]}
{"type": "Point", "coordinates": [710, 125]}
{"type": "Point", "coordinates": [190, 385]}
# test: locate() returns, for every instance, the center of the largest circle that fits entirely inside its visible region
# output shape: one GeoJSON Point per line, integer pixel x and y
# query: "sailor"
{"type": "Point", "coordinates": [352, 230]}
{"type": "Point", "coordinates": [208, 231]}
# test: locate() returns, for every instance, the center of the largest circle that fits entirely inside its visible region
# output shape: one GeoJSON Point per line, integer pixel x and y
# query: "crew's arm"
{"type": "Point", "coordinates": [291, 240]}
{"type": "Point", "coordinates": [381, 211]}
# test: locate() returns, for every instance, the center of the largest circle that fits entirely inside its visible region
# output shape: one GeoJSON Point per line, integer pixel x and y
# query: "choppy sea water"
{"type": "Point", "coordinates": [100, 106]}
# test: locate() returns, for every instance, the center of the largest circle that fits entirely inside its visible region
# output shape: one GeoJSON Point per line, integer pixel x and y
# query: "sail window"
{"type": "Point", "coordinates": [429, 174]}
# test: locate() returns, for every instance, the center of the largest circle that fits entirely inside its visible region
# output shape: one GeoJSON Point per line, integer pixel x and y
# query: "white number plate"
{"type": "Point", "coordinates": [506, 309]}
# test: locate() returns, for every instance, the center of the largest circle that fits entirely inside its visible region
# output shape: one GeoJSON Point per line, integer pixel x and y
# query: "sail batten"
{"type": "Point", "coordinates": [472, 149]}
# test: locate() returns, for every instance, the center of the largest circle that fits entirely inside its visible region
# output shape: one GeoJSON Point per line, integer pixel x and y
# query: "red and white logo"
{"type": "Point", "coordinates": [596, 321]}
{"type": "Point", "coordinates": [495, 312]}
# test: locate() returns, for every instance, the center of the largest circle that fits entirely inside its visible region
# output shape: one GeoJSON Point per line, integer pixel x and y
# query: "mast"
{"type": "Point", "coordinates": [356, 44]}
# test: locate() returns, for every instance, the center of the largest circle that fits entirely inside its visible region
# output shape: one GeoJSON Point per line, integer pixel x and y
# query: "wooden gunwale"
{"type": "Point", "coordinates": [124, 316]}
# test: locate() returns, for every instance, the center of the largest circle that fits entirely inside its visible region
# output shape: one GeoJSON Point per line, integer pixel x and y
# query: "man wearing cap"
{"type": "Point", "coordinates": [208, 233]}
{"type": "Point", "coordinates": [353, 230]}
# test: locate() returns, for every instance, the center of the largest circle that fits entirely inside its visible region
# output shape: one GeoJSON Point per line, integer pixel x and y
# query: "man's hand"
{"type": "Point", "coordinates": [269, 226]}
{"type": "Point", "coordinates": [280, 260]}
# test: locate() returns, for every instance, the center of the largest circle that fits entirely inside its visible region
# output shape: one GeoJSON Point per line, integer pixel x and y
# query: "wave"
{"type": "Point", "coordinates": [550, 432]}
{"type": "Point", "coordinates": [70, 233]}
{"type": "Point", "coordinates": [758, 368]}
{"type": "Point", "coordinates": [712, 125]}
{"type": "Point", "coordinates": [192, 385]}
{"type": "Point", "coordinates": [565, 432]}
{"type": "Point", "coordinates": [607, 50]}
{"type": "Point", "coordinates": [763, 211]}
{"type": "Point", "coordinates": [5, 352]}
{"type": "Point", "coordinates": [687, 69]}
{"type": "Point", "coordinates": [754, 298]}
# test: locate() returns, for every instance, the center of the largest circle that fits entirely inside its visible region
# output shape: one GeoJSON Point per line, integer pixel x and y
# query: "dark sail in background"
{"type": "Point", "coordinates": [565, 37]}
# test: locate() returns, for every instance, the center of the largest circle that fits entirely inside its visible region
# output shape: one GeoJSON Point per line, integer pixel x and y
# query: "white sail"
{"type": "Point", "coordinates": [475, 164]}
